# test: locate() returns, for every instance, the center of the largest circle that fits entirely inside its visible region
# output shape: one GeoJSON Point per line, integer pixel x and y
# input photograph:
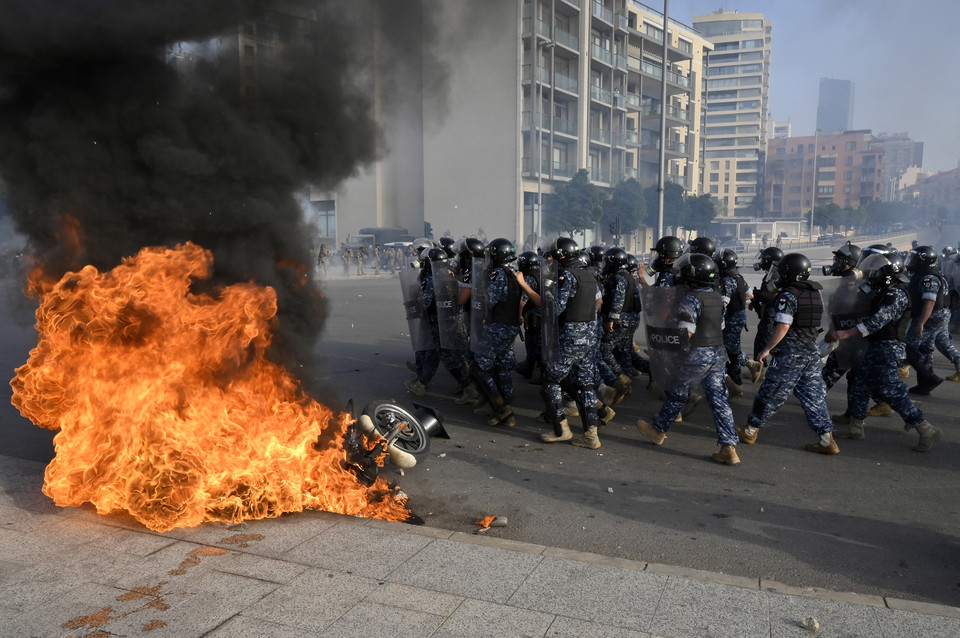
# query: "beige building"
{"type": "Point", "coordinates": [537, 90]}
{"type": "Point", "coordinates": [737, 97]}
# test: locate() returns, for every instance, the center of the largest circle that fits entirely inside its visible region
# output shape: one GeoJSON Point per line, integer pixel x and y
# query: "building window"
{"type": "Point", "coordinates": [715, 165]}
{"type": "Point", "coordinates": [825, 189]}
{"type": "Point", "coordinates": [851, 146]}
{"type": "Point", "coordinates": [849, 161]}
{"type": "Point", "coordinates": [248, 50]}
{"type": "Point", "coordinates": [781, 150]}
{"type": "Point", "coordinates": [248, 29]}
{"type": "Point", "coordinates": [714, 189]}
{"type": "Point", "coordinates": [827, 176]}
{"type": "Point", "coordinates": [714, 177]}
{"type": "Point", "coordinates": [848, 175]}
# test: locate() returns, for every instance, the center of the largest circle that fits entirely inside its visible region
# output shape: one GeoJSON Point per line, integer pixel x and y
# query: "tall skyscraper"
{"type": "Point", "coordinates": [736, 102]}
{"type": "Point", "coordinates": [835, 108]}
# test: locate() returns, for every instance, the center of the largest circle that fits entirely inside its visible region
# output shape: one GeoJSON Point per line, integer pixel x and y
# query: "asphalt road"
{"type": "Point", "coordinates": [876, 519]}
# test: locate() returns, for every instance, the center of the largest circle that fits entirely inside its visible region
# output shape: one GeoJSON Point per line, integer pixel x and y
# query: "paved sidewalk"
{"type": "Point", "coordinates": [69, 572]}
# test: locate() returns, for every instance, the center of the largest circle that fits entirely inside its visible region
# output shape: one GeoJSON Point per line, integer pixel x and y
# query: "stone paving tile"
{"type": "Point", "coordinates": [130, 542]}
{"type": "Point", "coordinates": [895, 623]}
{"type": "Point", "coordinates": [414, 598]}
{"type": "Point", "coordinates": [165, 565]}
{"type": "Point", "coordinates": [482, 619]}
{"type": "Point", "coordinates": [786, 613]}
{"type": "Point", "coordinates": [312, 601]}
{"type": "Point", "coordinates": [472, 571]}
{"type": "Point", "coordinates": [371, 619]}
{"type": "Point", "coordinates": [361, 550]}
{"type": "Point", "coordinates": [253, 566]}
{"type": "Point", "coordinates": [563, 627]}
{"type": "Point", "coordinates": [697, 608]}
{"type": "Point", "coordinates": [243, 627]}
{"type": "Point", "coordinates": [598, 593]}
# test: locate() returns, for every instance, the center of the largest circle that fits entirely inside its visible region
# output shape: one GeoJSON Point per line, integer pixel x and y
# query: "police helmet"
{"type": "Point", "coordinates": [447, 243]}
{"type": "Point", "coordinates": [430, 256]}
{"type": "Point", "coordinates": [874, 249]}
{"type": "Point", "coordinates": [529, 263]}
{"type": "Point", "coordinates": [847, 255]}
{"type": "Point", "coordinates": [614, 259]}
{"type": "Point", "coordinates": [793, 267]}
{"type": "Point", "coordinates": [596, 256]}
{"type": "Point", "coordinates": [768, 257]}
{"type": "Point", "coordinates": [566, 252]}
{"type": "Point", "coordinates": [921, 258]}
{"type": "Point", "coordinates": [727, 261]}
{"type": "Point", "coordinates": [703, 246]}
{"type": "Point", "coordinates": [882, 270]}
{"type": "Point", "coordinates": [633, 264]}
{"type": "Point", "coordinates": [667, 250]}
{"type": "Point", "coordinates": [501, 251]}
{"type": "Point", "coordinates": [696, 268]}
{"type": "Point", "coordinates": [949, 250]}
{"type": "Point", "coordinates": [421, 244]}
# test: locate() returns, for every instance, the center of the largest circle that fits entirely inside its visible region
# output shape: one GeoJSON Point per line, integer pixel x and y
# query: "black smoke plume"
{"type": "Point", "coordinates": [111, 133]}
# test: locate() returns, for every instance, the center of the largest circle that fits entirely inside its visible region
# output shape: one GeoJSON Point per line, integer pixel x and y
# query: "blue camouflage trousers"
{"type": "Point", "coordinates": [878, 376]}
{"type": "Point", "coordinates": [732, 333]}
{"type": "Point", "coordinates": [496, 361]}
{"type": "Point", "coordinates": [943, 341]}
{"type": "Point", "coordinates": [920, 351]}
{"type": "Point", "coordinates": [574, 361]}
{"type": "Point", "coordinates": [428, 361]}
{"type": "Point", "coordinates": [706, 365]}
{"type": "Point", "coordinates": [799, 372]}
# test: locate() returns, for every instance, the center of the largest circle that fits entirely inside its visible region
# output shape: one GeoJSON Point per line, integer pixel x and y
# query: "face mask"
{"type": "Point", "coordinates": [827, 270]}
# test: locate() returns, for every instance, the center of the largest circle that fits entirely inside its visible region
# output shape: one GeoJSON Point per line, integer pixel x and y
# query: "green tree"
{"type": "Point", "coordinates": [701, 211]}
{"type": "Point", "coordinates": [575, 206]}
{"type": "Point", "coordinates": [827, 216]}
{"type": "Point", "coordinates": [628, 204]}
{"type": "Point", "coordinates": [675, 209]}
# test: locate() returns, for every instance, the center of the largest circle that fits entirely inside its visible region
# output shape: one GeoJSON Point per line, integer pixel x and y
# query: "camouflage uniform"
{"type": "Point", "coordinates": [732, 288]}
{"type": "Point", "coordinates": [878, 370]}
{"type": "Point", "coordinates": [701, 364]}
{"type": "Point", "coordinates": [532, 316]}
{"type": "Point", "coordinates": [795, 368]}
{"type": "Point", "coordinates": [927, 286]}
{"type": "Point", "coordinates": [617, 347]}
{"type": "Point", "coordinates": [497, 360]}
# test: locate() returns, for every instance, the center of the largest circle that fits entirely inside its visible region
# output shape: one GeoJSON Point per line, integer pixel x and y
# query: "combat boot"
{"type": "Point", "coordinates": [570, 409]}
{"type": "Point", "coordinates": [880, 408]}
{"type": "Point", "coordinates": [656, 436]}
{"type": "Point", "coordinates": [622, 384]}
{"type": "Point", "coordinates": [589, 440]}
{"type": "Point", "coordinates": [853, 429]}
{"type": "Point", "coordinates": [955, 377]}
{"type": "Point", "coordinates": [754, 370]}
{"type": "Point", "coordinates": [609, 395]}
{"type": "Point", "coordinates": [749, 439]}
{"type": "Point", "coordinates": [564, 435]}
{"type": "Point", "coordinates": [928, 435]}
{"type": "Point", "coordinates": [525, 368]}
{"type": "Point", "coordinates": [820, 448]}
{"type": "Point", "coordinates": [841, 419]}
{"type": "Point", "coordinates": [727, 454]}
{"type": "Point", "coordinates": [734, 388]}
{"type": "Point", "coordinates": [502, 414]}
{"type": "Point", "coordinates": [904, 372]}
{"type": "Point", "coordinates": [416, 387]}
{"type": "Point", "coordinates": [467, 395]}
{"type": "Point", "coordinates": [606, 414]}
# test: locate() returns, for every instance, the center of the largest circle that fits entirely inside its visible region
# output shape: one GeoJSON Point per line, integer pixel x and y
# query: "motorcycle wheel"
{"type": "Point", "coordinates": [386, 416]}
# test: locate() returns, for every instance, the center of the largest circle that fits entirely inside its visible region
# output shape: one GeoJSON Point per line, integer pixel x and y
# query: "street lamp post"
{"type": "Point", "coordinates": [542, 45]}
{"type": "Point", "coordinates": [813, 191]}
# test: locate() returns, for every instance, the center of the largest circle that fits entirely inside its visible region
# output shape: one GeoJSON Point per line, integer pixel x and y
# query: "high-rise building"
{"type": "Point", "coordinates": [736, 101]}
{"type": "Point", "coordinates": [899, 154]}
{"type": "Point", "coordinates": [835, 107]}
{"type": "Point", "coordinates": [804, 172]}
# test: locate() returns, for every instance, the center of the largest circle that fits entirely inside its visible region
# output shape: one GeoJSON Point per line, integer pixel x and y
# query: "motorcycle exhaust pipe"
{"type": "Point", "coordinates": [403, 460]}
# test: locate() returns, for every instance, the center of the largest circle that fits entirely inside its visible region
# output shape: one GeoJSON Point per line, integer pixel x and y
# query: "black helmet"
{"type": "Point", "coordinates": [430, 256]}
{"type": "Point", "coordinates": [921, 258]}
{"type": "Point", "coordinates": [793, 267]}
{"type": "Point", "coordinates": [468, 249]}
{"type": "Point", "coordinates": [529, 263]}
{"type": "Point", "coordinates": [633, 264]}
{"type": "Point", "coordinates": [703, 246]}
{"type": "Point", "coordinates": [447, 244]}
{"type": "Point", "coordinates": [696, 268]}
{"type": "Point", "coordinates": [847, 255]}
{"type": "Point", "coordinates": [949, 250]}
{"type": "Point", "coordinates": [421, 244]}
{"type": "Point", "coordinates": [768, 257]}
{"type": "Point", "coordinates": [727, 261]}
{"type": "Point", "coordinates": [882, 270]}
{"type": "Point", "coordinates": [501, 251]}
{"type": "Point", "coordinates": [614, 259]}
{"type": "Point", "coordinates": [667, 250]}
{"type": "Point", "coordinates": [596, 256]}
{"type": "Point", "coordinates": [874, 249]}
{"type": "Point", "coordinates": [566, 252]}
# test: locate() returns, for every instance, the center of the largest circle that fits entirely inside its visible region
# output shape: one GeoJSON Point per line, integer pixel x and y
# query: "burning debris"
{"type": "Point", "coordinates": [154, 169]}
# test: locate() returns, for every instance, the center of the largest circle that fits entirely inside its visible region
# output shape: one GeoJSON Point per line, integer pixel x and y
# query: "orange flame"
{"type": "Point", "coordinates": [167, 407]}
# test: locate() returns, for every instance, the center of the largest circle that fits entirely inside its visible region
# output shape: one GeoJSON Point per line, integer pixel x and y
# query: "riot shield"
{"type": "Point", "coordinates": [667, 345]}
{"type": "Point", "coordinates": [417, 320]}
{"type": "Point", "coordinates": [549, 326]}
{"type": "Point", "coordinates": [845, 307]}
{"type": "Point", "coordinates": [450, 314]}
{"type": "Point", "coordinates": [479, 304]}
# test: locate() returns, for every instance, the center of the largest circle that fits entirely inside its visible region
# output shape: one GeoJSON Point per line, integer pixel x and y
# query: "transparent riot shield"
{"type": "Point", "coordinates": [845, 307]}
{"type": "Point", "coordinates": [550, 330]}
{"type": "Point", "coordinates": [417, 320]}
{"type": "Point", "coordinates": [451, 317]}
{"type": "Point", "coordinates": [479, 304]}
{"type": "Point", "coordinates": [667, 345]}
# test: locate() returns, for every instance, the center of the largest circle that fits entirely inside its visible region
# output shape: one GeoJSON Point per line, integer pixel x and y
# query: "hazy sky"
{"type": "Point", "coordinates": [900, 54]}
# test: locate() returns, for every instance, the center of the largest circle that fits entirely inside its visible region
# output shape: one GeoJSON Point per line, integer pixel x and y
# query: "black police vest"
{"type": "Point", "coordinates": [709, 332]}
{"type": "Point", "coordinates": [630, 301]}
{"type": "Point", "coordinates": [916, 293]}
{"type": "Point", "coordinates": [583, 305]}
{"type": "Point", "coordinates": [738, 301]}
{"type": "Point", "coordinates": [507, 311]}
{"type": "Point", "coordinates": [895, 330]}
{"type": "Point", "coordinates": [809, 304]}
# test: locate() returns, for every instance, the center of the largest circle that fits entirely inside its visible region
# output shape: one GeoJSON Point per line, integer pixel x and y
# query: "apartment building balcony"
{"type": "Point", "coordinates": [654, 70]}
{"type": "Point", "coordinates": [565, 83]}
{"type": "Point", "coordinates": [527, 24]}
{"type": "Point", "coordinates": [598, 176]}
{"type": "Point", "coordinates": [680, 180]}
{"type": "Point", "coordinates": [558, 125]}
{"type": "Point", "coordinates": [601, 95]}
{"type": "Point", "coordinates": [634, 101]}
{"type": "Point", "coordinates": [603, 13]}
{"type": "Point", "coordinates": [632, 138]}
{"type": "Point", "coordinates": [601, 54]}
{"type": "Point", "coordinates": [673, 112]}
{"type": "Point", "coordinates": [572, 3]}
{"type": "Point", "coordinates": [564, 170]}
{"type": "Point", "coordinates": [566, 39]}
{"type": "Point", "coordinates": [565, 127]}
{"type": "Point", "coordinates": [622, 22]}
{"type": "Point", "coordinates": [631, 172]}
{"type": "Point", "coordinates": [527, 73]}
{"type": "Point", "coordinates": [600, 135]}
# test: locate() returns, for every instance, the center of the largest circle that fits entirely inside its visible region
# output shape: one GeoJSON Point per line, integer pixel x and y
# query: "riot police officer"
{"type": "Point", "coordinates": [798, 311]}
{"type": "Point", "coordinates": [699, 318]}
{"type": "Point", "coordinates": [928, 319]}
{"type": "Point", "coordinates": [666, 252]}
{"type": "Point", "coordinates": [528, 265]}
{"type": "Point", "coordinates": [735, 293]}
{"type": "Point", "coordinates": [620, 317]}
{"type": "Point", "coordinates": [762, 304]}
